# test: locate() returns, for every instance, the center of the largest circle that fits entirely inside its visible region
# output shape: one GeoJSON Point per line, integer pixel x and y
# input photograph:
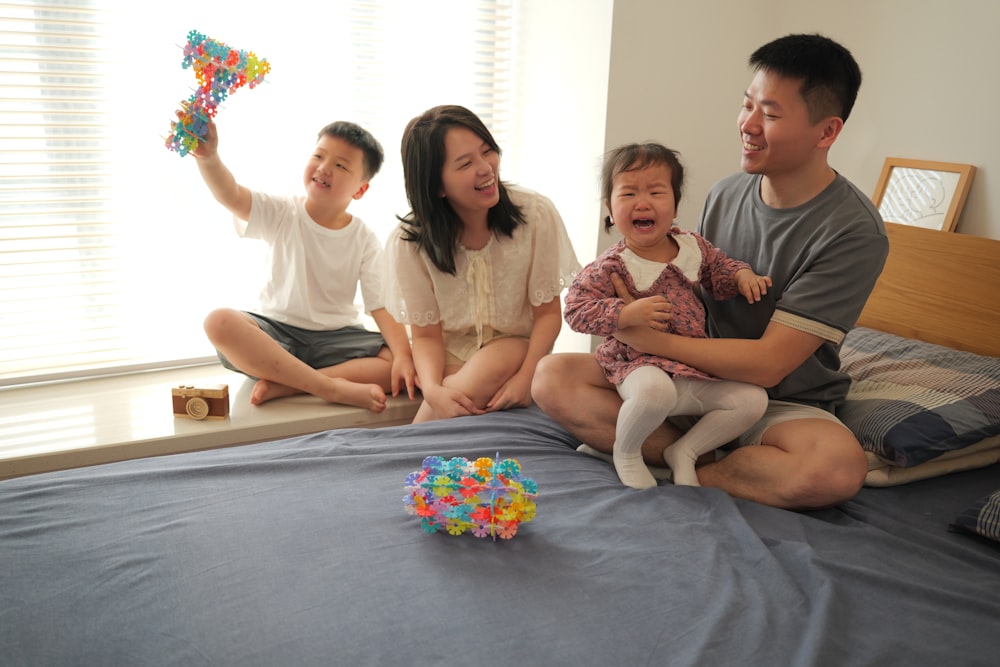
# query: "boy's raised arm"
{"type": "Point", "coordinates": [220, 181]}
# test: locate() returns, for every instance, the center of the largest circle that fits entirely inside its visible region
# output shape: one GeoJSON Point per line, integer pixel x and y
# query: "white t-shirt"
{"type": "Point", "coordinates": [313, 272]}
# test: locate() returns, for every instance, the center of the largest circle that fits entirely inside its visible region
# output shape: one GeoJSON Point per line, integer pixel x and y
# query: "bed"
{"type": "Point", "coordinates": [300, 551]}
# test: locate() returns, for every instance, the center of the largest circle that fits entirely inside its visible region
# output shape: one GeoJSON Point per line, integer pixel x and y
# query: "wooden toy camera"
{"type": "Point", "coordinates": [205, 402]}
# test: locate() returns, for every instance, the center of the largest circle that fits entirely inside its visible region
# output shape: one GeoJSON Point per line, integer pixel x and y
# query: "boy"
{"type": "Point", "coordinates": [307, 337]}
{"type": "Point", "coordinates": [822, 242]}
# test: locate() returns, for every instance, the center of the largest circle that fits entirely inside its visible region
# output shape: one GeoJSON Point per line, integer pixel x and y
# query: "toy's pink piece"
{"type": "Point", "coordinates": [220, 71]}
{"type": "Point", "coordinates": [487, 497]}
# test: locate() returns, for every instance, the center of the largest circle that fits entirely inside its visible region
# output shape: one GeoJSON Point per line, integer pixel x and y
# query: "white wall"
{"type": "Point", "coordinates": [562, 75]}
{"type": "Point", "coordinates": [678, 72]}
{"type": "Point", "coordinates": [558, 132]}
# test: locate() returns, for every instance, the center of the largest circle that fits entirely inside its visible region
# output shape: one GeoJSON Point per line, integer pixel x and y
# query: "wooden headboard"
{"type": "Point", "coordinates": [940, 287]}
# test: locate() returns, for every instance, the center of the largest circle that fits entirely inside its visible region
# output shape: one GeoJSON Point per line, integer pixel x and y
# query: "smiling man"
{"type": "Point", "coordinates": [822, 242]}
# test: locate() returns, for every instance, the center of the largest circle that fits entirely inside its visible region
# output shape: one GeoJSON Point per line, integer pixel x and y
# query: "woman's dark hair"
{"type": "Point", "coordinates": [432, 223]}
{"type": "Point", "coordinates": [633, 157]}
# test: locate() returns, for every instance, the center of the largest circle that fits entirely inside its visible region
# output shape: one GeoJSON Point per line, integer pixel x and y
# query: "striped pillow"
{"type": "Point", "coordinates": [912, 401]}
{"type": "Point", "coordinates": [981, 518]}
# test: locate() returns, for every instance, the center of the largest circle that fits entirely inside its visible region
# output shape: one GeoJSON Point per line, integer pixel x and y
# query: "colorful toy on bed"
{"type": "Point", "coordinates": [489, 497]}
{"type": "Point", "coordinates": [220, 71]}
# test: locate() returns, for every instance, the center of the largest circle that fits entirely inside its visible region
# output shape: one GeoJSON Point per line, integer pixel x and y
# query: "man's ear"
{"type": "Point", "coordinates": [361, 191]}
{"type": "Point", "coordinates": [831, 130]}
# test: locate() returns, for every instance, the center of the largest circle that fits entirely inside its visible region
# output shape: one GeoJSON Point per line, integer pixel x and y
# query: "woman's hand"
{"type": "Point", "coordinates": [514, 393]}
{"type": "Point", "coordinates": [447, 402]}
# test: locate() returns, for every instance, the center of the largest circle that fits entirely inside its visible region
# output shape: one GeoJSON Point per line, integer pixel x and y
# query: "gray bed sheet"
{"type": "Point", "coordinates": [299, 552]}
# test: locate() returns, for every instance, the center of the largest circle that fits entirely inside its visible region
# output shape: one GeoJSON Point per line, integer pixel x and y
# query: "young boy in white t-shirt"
{"type": "Point", "coordinates": [307, 337]}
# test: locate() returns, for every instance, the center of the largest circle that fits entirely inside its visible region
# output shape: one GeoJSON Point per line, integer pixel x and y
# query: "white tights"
{"type": "Point", "coordinates": [650, 396]}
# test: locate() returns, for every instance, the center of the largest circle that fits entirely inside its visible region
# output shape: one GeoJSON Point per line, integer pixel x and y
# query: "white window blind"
{"type": "Point", "coordinates": [111, 249]}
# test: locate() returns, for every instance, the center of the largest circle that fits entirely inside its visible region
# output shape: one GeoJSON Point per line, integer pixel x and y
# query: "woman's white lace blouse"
{"type": "Point", "coordinates": [495, 286]}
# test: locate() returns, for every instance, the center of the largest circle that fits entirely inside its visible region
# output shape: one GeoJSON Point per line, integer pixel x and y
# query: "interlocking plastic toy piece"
{"type": "Point", "coordinates": [220, 71]}
{"type": "Point", "coordinates": [487, 497]}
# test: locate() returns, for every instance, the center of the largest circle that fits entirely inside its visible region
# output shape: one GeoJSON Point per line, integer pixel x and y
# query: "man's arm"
{"type": "Point", "coordinates": [765, 361]}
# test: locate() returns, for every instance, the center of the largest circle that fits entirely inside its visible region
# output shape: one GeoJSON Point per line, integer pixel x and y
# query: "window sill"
{"type": "Point", "coordinates": [74, 424]}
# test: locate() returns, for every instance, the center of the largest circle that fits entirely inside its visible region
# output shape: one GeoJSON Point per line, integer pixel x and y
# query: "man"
{"type": "Point", "coordinates": [822, 242]}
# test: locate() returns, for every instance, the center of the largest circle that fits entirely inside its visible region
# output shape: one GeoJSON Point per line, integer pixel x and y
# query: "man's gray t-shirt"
{"type": "Point", "coordinates": [823, 257]}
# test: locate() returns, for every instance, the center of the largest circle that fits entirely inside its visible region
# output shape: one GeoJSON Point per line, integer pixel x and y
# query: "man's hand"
{"type": "Point", "coordinates": [620, 288]}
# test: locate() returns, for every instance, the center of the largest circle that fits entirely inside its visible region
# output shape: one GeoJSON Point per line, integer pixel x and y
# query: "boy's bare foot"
{"type": "Point", "coordinates": [367, 396]}
{"type": "Point", "coordinates": [265, 390]}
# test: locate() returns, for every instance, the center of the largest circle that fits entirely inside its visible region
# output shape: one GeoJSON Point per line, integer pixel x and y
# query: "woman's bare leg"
{"type": "Point", "coordinates": [482, 375]}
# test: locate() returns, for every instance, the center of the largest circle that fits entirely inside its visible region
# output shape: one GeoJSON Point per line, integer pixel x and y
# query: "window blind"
{"type": "Point", "coordinates": [104, 268]}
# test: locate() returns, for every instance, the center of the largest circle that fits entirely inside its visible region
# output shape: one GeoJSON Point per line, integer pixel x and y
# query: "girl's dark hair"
{"type": "Point", "coordinates": [361, 139]}
{"type": "Point", "coordinates": [432, 222]}
{"type": "Point", "coordinates": [633, 157]}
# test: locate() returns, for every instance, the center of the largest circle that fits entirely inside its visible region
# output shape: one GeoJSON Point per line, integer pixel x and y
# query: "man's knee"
{"type": "Point", "coordinates": [828, 480]}
{"type": "Point", "coordinates": [830, 465]}
{"type": "Point", "coordinates": [544, 389]}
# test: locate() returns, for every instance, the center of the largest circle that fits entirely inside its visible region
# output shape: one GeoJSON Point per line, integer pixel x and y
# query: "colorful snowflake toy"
{"type": "Point", "coordinates": [220, 71]}
{"type": "Point", "coordinates": [488, 497]}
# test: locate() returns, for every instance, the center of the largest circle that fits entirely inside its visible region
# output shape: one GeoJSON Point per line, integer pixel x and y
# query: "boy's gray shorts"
{"type": "Point", "coordinates": [318, 349]}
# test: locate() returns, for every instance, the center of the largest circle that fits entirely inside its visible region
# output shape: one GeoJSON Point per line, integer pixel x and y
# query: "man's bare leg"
{"type": "Point", "coordinates": [572, 389]}
{"type": "Point", "coordinates": [801, 464]}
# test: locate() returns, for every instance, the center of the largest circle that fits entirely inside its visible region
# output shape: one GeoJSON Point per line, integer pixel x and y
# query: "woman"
{"type": "Point", "coordinates": [475, 269]}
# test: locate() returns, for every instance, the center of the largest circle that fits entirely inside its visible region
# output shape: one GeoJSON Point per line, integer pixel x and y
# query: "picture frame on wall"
{"type": "Point", "coordinates": [923, 193]}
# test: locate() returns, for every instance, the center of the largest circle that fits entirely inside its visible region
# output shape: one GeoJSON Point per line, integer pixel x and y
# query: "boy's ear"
{"type": "Point", "coordinates": [361, 191]}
